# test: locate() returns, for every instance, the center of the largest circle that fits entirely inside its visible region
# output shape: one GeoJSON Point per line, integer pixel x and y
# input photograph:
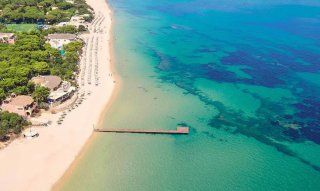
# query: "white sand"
{"type": "Point", "coordinates": [36, 164]}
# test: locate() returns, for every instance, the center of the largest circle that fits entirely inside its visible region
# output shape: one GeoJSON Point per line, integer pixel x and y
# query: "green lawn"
{"type": "Point", "coordinates": [22, 27]}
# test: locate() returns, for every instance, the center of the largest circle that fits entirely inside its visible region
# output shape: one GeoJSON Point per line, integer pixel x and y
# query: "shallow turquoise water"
{"type": "Point", "coordinates": [243, 75]}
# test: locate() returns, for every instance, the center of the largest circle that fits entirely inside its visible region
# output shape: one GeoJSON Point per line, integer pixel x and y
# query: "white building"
{"type": "Point", "coordinates": [62, 24]}
{"type": "Point", "coordinates": [58, 40]}
{"type": "Point", "coordinates": [8, 38]}
{"type": "Point", "coordinates": [77, 21]}
{"type": "Point", "coordinates": [60, 95]}
{"type": "Point", "coordinates": [70, 1]}
{"type": "Point", "coordinates": [74, 21]}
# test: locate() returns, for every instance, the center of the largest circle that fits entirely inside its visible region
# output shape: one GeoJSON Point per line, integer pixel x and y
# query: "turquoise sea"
{"type": "Point", "coordinates": [244, 75]}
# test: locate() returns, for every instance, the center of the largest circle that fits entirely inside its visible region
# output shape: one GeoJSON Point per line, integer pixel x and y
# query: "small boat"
{"type": "Point", "coordinates": [30, 133]}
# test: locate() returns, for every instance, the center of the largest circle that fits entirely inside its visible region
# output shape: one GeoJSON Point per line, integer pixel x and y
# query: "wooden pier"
{"type": "Point", "coordinates": [179, 130]}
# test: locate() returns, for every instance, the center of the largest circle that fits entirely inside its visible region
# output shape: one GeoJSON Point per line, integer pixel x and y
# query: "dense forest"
{"type": "Point", "coordinates": [10, 123]}
{"type": "Point", "coordinates": [49, 11]}
{"type": "Point", "coordinates": [31, 56]}
{"type": "Point", "coordinates": [28, 57]}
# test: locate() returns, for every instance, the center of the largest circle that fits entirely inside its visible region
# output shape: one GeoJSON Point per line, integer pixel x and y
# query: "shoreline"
{"type": "Point", "coordinates": [24, 163]}
{"type": "Point", "coordinates": [61, 181]}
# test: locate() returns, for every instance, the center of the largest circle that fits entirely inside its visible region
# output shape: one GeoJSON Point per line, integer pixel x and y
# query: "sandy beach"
{"type": "Point", "coordinates": [36, 164]}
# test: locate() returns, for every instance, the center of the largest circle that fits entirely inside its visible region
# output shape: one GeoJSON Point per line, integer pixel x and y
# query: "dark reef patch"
{"type": "Point", "coordinates": [272, 125]}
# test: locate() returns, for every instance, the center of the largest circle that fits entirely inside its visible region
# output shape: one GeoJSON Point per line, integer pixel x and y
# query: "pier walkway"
{"type": "Point", "coordinates": [179, 130]}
